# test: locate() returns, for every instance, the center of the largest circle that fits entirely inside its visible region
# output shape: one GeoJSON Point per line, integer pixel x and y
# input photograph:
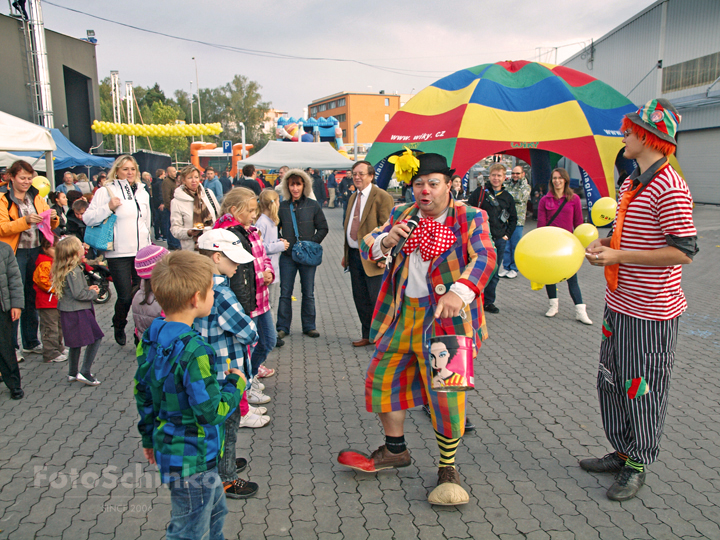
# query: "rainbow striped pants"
{"type": "Point", "coordinates": [399, 374]}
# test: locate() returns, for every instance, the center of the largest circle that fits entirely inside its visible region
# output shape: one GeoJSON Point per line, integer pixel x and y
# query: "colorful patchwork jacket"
{"type": "Point", "coordinates": [471, 261]}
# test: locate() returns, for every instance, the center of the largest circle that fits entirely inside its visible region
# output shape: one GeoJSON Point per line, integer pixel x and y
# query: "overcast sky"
{"type": "Point", "coordinates": [414, 42]}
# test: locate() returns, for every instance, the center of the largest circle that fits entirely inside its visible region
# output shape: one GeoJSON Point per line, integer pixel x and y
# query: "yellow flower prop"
{"type": "Point", "coordinates": [157, 130]}
{"type": "Point", "coordinates": [406, 165]}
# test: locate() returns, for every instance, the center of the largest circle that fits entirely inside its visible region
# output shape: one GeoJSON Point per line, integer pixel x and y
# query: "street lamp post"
{"type": "Point", "coordinates": [197, 80]}
{"type": "Point", "coordinates": [192, 115]}
{"type": "Point", "coordinates": [243, 154]}
{"type": "Point", "coordinates": [355, 146]}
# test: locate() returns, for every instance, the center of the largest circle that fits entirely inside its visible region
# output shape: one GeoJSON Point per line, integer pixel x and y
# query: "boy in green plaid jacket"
{"type": "Point", "coordinates": [182, 406]}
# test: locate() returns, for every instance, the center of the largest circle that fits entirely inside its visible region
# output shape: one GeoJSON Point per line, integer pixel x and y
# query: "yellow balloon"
{"type": "Point", "coordinates": [549, 255]}
{"type": "Point", "coordinates": [603, 211]}
{"type": "Point", "coordinates": [42, 184]}
{"type": "Point", "coordinates": [586, 233]}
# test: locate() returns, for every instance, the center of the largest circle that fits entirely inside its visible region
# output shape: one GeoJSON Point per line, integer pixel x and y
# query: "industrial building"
{"type": "Point", "coordinates": [670, 50]}
{"type": "Point", "coordinates": [71, 74]}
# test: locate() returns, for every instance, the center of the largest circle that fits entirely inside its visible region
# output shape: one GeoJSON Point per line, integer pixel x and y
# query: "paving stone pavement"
{"type": "Point", "coordinates": [72, 467]}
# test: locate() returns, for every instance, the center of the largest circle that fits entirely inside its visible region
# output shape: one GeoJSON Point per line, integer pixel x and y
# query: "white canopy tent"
{"type": "Point", "coordinates": [298, 155]}
{"type": "Point", "coordinates": [7, 159]}
{"type": "Point", "coordinates": [21, 136]}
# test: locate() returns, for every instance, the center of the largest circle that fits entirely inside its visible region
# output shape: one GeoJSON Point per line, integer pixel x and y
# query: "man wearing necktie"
{"type": "Point", "coordinates": [430, 288]}
{"type": "Point", "coordinates": [653, 236]}
{"type": "Point", "coordinates": [369, 207]}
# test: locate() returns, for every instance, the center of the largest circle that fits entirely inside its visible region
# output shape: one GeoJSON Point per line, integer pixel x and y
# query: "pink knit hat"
{"type": "Point", "coordinates": [147, 258]}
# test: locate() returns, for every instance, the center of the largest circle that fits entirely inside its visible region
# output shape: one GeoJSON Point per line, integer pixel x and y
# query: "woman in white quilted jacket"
{"type": "Point", "coordinates": [193, 208]}
{"type": "Point", "coordinates": [125, 196]}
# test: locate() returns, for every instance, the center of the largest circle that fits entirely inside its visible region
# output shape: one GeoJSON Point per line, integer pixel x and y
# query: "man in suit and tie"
{"type": "Point", "coordinates": [368, 208]}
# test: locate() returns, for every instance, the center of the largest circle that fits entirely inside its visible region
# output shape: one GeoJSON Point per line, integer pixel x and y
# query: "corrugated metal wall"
{"type": "Point", "coordinates": [693, 30]}
{"type": "Point", "coordinates": [626, 54]}
{"type": "Point", "coordinates": [699, 156]}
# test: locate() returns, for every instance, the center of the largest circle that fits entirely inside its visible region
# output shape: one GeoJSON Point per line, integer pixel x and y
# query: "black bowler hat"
{"type": "Point", "coordinates": [433, 163]}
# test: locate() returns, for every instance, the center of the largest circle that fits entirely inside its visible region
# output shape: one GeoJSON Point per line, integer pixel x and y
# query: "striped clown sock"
{"type": "Point", "coordinates": [448, 448]}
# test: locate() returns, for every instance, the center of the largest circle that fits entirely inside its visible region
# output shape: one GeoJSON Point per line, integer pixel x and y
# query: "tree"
{"type": "Point", "coordinates": [230, 104]}
{"type": "Point", "coordinates": [152, 96]}
{"type": "Point", "coordinates": [244, 105]}
{"type": "Point", "coordinates": [183, 101]}
{"type": "Point", "coordinates": [167, 114]}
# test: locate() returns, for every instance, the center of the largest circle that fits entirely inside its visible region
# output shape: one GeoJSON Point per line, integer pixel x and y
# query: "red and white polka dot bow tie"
{"type": "Point", "coordinates": [432, 237]}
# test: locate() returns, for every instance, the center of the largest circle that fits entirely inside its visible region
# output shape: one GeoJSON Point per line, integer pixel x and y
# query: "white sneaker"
{"type": "Point", "coordinates": [256, 397]}
{"type": "Point", "coordinates": [512, 274]}
{"type": "Point", "coordinates": [59, 358]}
{"type": "Point", "coordinates": [19, 356]}
{"type": "Point", "coordinates": [257, 410]}
{"type": "Point", "coordinates": [254, 421]}
{"type": "Point", "coordinates": [257, 385]}
{"type": "Point", "coordinates": [90, 381]}
{"type": "Point", "coordinates": [35, 350]}
{"type": "Point", "coordinates": [73, 378]}
{"type": "Point", "coordinates": [502, 272]}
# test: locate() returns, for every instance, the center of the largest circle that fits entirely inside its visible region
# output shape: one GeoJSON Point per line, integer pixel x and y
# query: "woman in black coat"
{"type": "Point", "coordinates": [296, 188]}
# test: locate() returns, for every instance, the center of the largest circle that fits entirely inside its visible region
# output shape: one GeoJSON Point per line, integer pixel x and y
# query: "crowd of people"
{"type": "Point", "coordinates": [422, 269]}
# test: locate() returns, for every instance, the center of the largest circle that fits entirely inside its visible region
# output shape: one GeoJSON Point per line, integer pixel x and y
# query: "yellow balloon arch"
{"type": "Point", "coordinates": [157, 130]}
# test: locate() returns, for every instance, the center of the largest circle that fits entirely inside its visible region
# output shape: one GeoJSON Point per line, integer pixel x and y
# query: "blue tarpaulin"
{"type": "Point", "coordinates": [68, 155]}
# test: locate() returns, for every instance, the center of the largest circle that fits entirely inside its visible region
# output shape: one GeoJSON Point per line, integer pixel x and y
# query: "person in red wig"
{"type": "Point", "coordinates": [653, 236]}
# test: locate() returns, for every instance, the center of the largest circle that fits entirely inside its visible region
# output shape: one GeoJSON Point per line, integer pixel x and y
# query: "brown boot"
{"type": "Point", "coordinates": [380, 459]}
{"type": "Point", "coordinates": [448, 492]}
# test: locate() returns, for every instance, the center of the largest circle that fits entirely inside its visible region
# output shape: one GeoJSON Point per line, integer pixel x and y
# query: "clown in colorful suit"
{"type": "Point", "coordinates": [430, 288]}
{"type": "Point", "coordinates": [653, 236]}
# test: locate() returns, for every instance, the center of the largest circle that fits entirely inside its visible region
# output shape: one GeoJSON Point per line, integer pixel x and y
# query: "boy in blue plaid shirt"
{"type": "Point", "coordinates": [229, 331]}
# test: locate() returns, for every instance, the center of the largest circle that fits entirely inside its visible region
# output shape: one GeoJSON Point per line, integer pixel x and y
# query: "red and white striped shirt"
{"type": "Point", "coordinates": [663, 208]}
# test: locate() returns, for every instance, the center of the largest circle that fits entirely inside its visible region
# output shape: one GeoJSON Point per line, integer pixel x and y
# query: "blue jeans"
{"type": "Point", "coordinates": [29, 318]}
{"type": "Point", "coordinates": [509, 256]}
{"type": "Point", "coordinates": [172, 242]}
{"type": "Point", "coordinates": [267, 338]}
{"type": "Point", "coordinates": [573, 287]}
{"type": "Point", "coordinates": [198, 507]}
{"type": "Point", "coordinates": [288, 270]}
{"type": "Point", "coordinates": [492, 284]}
{"type": "Point", "coordinates": [227, 469]}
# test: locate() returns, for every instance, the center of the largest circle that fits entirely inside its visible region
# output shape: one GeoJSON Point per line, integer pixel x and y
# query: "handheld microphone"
{"type": "Point", "coordinates": [412, 223]}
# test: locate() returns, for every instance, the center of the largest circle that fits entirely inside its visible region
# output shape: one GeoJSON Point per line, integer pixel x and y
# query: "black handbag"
{"type": "Point", "coordinates": [306, 252]}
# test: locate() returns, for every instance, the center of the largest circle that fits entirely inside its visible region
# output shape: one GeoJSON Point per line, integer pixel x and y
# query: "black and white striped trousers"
{"type": "Point", "coordinates": [636, 361]}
